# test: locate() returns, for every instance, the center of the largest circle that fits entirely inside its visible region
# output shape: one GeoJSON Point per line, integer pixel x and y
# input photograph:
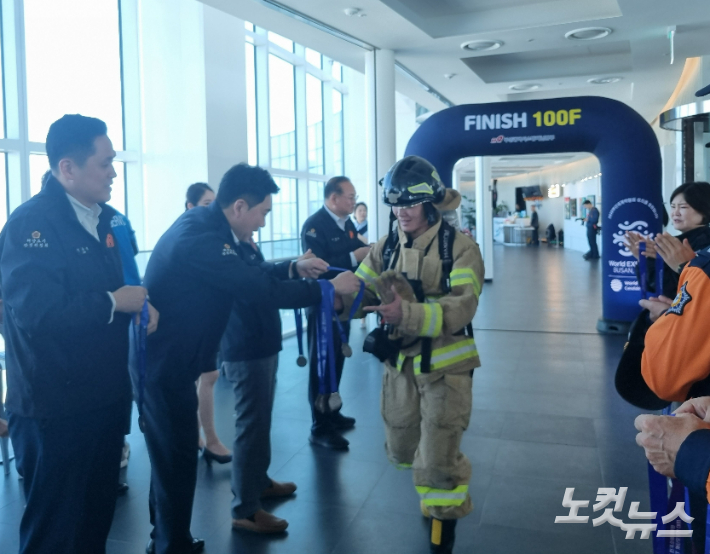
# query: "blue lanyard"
{"type": "Point", "coordinates": [301, 361]}
{"type": "Point", "coordinates": [327, 379]}
{"type": "Point", "coordinates": [643, 273]}
{"type": "Point", "coordinates": [140, 334]}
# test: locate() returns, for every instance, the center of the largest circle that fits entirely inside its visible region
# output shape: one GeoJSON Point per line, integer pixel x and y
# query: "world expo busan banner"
{"type": "Point", "coordinates": [619, 137]}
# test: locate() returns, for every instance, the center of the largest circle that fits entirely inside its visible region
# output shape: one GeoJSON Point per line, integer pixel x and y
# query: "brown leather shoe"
{"type": "Point", "coordinates": [264, 522]}
{"type": "Point", "coordinates": [278, 489]}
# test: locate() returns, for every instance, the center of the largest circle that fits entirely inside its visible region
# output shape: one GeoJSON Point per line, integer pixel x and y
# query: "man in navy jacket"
{"type": "Point", "coordinates": [194, 275]}
{"type": "Point", "coordinates": [66, 331]}
{"type": "Point", "coordinates": [331, 235]}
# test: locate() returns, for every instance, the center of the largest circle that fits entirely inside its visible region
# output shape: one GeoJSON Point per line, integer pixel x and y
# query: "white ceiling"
{"type": "Point", "coordinates": [426, 36]}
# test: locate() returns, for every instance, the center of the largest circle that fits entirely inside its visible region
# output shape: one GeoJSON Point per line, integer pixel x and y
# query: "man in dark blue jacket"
{"type": "Point", "coordinates": [250, 352]}
{"type": "Point", "coordinates": [592, 224]}
{"type": "Point", "coordinates": [194, 275]}
{"type": "Point", "coordinates": [331, 235]}
{"type": "Point", "coordinates": [66, 332]}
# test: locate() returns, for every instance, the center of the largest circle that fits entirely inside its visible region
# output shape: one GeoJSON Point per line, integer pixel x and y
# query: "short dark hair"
{"type": "Point", "coordinates": [333, 186]}
{"type": "Point", "coordinates": [247, 182]}
{"type": "Point", "coordinates": [72, 136]}
{"type": "Point", "coordinates": [195, 192]}
{"type": "Point", "coordinates": [697, 195]}
{"type": "Point", "coordinates": [587, 201]}
{"type": "Point", "coordinates": [360, 204]}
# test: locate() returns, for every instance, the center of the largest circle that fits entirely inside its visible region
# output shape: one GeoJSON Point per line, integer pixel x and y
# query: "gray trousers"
{"type": "Point", "coordinates": [254, 384]}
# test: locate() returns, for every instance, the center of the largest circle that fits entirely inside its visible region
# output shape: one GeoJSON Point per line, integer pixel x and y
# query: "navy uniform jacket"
{"type": "Point", "coordinates": [63, 355]}
{"type": "Point", "coordinates": [592, 218]}
{"type": "Point", "coordinates": [322, 235]}
{"type": "Point", "coordinates": [254, 332]}
{"type": "Point", "coordinates": [193, 276]}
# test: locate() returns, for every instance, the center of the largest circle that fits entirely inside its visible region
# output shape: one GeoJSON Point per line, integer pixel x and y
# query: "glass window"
{"type": "Point", "coordinates": [282, 114]}
{"type": "Point", "coordinates": [337, 71]}
{"type": "Point", "coordinates": [3, 190]}
{"type": "Point", "coordinates": [283, 42]}
{"type": "Point", "coordinates": [314, 121]}
{"type": "Point", "coordinates": [280, 238]}
{"type": "Point", "coordinates": [75, 42]}
{"type": "Point", "coordinates": [313, 58]}
{"type": "Point", "coordinates": [39, 166]}
{"type": "Point", "coordinates": [251, 104]}
{"type": "Point", "coordinates": [316, 190]}
{"type": "Point", "coordinates": [338, 133]}
{"type": "Point", "coordinates": [249, 26]}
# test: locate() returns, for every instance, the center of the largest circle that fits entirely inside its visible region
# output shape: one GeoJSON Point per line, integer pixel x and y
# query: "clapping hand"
{"type": "Point", "coordinates": [673, 251]}
{"type": "Point", "coordinates": [632, 242]}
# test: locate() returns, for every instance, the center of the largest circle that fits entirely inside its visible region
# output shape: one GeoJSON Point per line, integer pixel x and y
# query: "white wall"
{"type": "Point", "coordinates": [406, 121]}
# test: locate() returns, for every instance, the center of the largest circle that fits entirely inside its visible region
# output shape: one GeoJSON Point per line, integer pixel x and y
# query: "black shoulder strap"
{"type": "Point", "coordinates": [447, 234]}
{"type": "Point", "coordinates": [390, 245]}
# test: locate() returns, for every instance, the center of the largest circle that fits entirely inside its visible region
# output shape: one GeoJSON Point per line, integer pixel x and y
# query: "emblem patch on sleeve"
{"type": "Point", "coordinates": [682, 298]}
{"type": "Point", "coordinates": [311, 233]}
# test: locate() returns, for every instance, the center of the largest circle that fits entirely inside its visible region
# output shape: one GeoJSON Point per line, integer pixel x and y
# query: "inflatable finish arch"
{"type": "Point", "coordinates": [619, 137]}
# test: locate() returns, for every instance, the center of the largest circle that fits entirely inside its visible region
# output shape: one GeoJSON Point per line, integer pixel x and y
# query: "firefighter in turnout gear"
{"type": "Point", "coordinates": [426, 278]}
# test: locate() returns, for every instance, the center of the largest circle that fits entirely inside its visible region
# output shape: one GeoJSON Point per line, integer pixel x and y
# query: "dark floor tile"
{"type": "Point", "coordinates": [495, 538]}
{"type": "Point", "coordinates": [381, 531]}
{"type": "Point", "coordinates": [486, 423]}
{"type": "Point", "coordinates": [332, 477]}
{"type": "Point", "coordinates": [576, 464]}
{"type": "Point", "coordinates": [624, 467]}
{"type": "Point", "coordinates": [550, 429]}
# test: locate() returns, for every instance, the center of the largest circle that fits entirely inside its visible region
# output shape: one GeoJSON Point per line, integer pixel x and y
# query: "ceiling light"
{"type": "Point", "coordinates": [524, 87]}
{"type": "Point", "coordinates": [481, 45]}
{"type": "Point", "coordinates": [604, 80]}
{"type": "Point", "coordinates": [449, 75]}
{"type": "Point", "coordinates": [588, 33]}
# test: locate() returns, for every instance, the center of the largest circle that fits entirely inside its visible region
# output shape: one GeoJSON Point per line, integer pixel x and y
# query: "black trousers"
{"type": "Point", "coordinates": [322, 422]}
{"type": "Point", "coordinates": [70, 467]}
{"type": "Point", "coordinates": [592, 239]}
{"type": "Point", "coordinates": [170, 418]}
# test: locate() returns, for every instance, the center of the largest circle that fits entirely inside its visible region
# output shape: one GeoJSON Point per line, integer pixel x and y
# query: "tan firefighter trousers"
{"type": "Point", "coordinates": [425, 417]}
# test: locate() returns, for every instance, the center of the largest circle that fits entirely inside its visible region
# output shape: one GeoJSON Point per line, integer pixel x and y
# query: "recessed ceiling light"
{"type": "Point", "coordinates": [354, 12]}
{"type": "Point", "coordinates": [481, 45]}
{"type": "Point", "coordinates": [588, 33]}
{"type": "Point", "coordinates": [604, 80]}
{"type": "Point", "coordinates": [524, 87]}
{"type": "Point", "coordinates": [449, 75]}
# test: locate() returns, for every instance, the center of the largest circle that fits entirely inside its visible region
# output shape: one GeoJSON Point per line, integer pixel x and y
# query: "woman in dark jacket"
{"type": "Point", "coordinates": [690, 214]}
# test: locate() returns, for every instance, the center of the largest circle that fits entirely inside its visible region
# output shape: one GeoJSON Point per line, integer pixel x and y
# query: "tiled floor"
{"type": "Point", "coordinates": [546, 417]}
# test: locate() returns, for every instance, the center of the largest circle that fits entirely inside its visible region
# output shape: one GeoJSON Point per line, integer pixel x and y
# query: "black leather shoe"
{"type": "Point", "coordinates": [210, 456]}
{"type": "Point", "coordinates": [122, 489]}
{"type": "Point", "coordinates": [329, 439]}
{"type": "Point", "coordinates": [198, 545]}
{"type": "Point", "coordinates": [341, 422]}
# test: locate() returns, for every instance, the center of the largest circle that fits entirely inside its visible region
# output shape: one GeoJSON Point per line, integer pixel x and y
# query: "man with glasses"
{"type": "Point", "coordinates": [331, 235]}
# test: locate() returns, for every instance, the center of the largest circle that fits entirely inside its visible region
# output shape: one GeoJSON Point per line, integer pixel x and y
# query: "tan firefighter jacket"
{"type": "Point", "coordinates": [442, 317]}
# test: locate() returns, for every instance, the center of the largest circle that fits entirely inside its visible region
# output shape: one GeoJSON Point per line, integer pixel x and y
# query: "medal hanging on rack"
{"type": "Point", "coordinates": [328, 399]}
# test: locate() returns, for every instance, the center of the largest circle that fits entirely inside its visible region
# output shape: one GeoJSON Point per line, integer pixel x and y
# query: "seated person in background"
{"type": "Point", "coordinates": [680, 446]}
{"type": "Point", "coordinates": [676, 355]}
{"type": "Point", "coordinates": [690, 214]}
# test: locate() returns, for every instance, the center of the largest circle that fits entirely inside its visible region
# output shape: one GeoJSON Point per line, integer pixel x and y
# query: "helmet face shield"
{"type": "Point", "coordinates": [411, 181]}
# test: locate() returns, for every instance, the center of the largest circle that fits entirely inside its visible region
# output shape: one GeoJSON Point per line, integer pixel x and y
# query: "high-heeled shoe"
{"type": "Point", "coordinates": [210, 456]}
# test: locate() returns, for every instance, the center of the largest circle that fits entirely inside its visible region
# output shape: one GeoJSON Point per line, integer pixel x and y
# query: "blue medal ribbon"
{"type": "Point", "coordinates": [353, 309]}
{"type": "Point", "coordinates": [327, 380]}
{"type": "Point", "coordinates": [140, 334]}
{"type": "Point", "coordinates": [643, 271]}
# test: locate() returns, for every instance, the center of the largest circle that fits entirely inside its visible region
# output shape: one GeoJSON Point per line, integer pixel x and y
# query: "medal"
{"type": "Point", "coordinates": [347, 351]}
{"type": "Point", "coordinates": [335, 402]}
{"type": "Point", "coordinates": [301, 361]}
